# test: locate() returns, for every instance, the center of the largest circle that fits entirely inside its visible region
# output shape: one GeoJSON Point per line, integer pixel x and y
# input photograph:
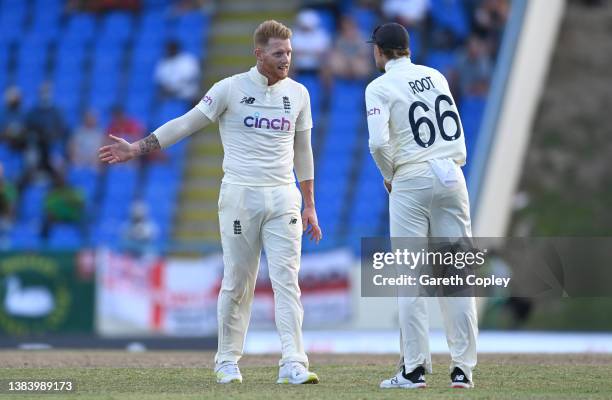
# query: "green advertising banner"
{"type": "Point", "coordinates": [46, 293]}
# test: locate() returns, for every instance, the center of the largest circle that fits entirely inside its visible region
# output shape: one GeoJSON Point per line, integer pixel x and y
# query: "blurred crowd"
{"type": "Point", "coordinates": [337, 48]}
{"type": "Point", "coordinates": [328, 48]}
{"type": "Point", "coordinates": [49, 148]}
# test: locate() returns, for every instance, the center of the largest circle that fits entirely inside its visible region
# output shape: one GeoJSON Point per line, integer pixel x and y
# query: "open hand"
{"type": "Point", "coordinates": [119, 151]}
{"type": "Point", "coordinates": [310, 222]}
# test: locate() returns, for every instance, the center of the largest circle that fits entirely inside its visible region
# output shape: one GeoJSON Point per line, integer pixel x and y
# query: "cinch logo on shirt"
{"type": "Point", "coordinates": [277, 124]}
{"type": "Point", "coordinates": [373, 111]}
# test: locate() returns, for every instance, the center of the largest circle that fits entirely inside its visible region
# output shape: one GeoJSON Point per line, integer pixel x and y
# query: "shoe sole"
{"type": "Point", "coordinates": [406, 386]}
{"type": "Point", "coordinates": [462, 385]}
{"type": "Point", "coordinates": [235, 380]}
{"type": "Point", "coordinates": [312, 380]}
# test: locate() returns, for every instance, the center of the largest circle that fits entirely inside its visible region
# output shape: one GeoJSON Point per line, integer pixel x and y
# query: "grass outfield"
{"type": "Point", "coordinates": [188, 375]}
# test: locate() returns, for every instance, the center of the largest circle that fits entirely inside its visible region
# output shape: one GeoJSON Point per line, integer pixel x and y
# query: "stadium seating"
{"type": "Point", "coordinates": [365, 19]}
{"type": "Point", "coordinates": [471, 109]}
{"type": "Point", "coordinates": [443, 61]}
{"type": "Point", "coordinates": [95, 61]}
{"type": "Point", "coordinates": [352, 202]}
{"type": "Point", "coordinates": [65, 237]}
{"type": "Point", "coordinates": [12, 162]}
{"type": "Point", "coordinates": [450, 14]}
{"type": "Point", "coordinates": [12, 17]}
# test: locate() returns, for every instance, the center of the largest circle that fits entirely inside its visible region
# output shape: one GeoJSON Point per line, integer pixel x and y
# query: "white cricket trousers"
{"type": "Point", "coordinates": [423, 206]}
{"type": "Point", "coordinates": [251, 217]}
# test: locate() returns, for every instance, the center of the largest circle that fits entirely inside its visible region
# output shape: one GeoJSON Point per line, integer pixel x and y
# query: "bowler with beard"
{"type": "Point", "coordinates": [265, 125]}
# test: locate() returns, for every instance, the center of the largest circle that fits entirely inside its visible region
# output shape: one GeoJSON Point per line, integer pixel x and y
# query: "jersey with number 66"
{"type": "Point", "coordinates": [411, 109]}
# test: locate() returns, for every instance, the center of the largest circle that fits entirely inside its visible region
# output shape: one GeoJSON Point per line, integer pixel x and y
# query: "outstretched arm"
{"type": "Point", "coordinates": [166, 135]}
{"type": "Point", "coordinates": [121, 150]}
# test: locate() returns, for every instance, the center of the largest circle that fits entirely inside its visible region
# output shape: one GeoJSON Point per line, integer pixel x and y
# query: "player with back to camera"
{"type": "Point", "coordinates": [417, 142]}
{"type": "Point", "coordinates": [265, 126]}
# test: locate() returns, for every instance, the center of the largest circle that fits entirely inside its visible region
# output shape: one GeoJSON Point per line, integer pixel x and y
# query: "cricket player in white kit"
{"type": "Point", "coordinates": [417, 142]}
{"type": "Point", "coordinates": [265, 123]}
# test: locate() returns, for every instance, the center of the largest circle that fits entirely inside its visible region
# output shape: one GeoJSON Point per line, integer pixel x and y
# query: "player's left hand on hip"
{"type": "Point", "coordinates": [310, 222]}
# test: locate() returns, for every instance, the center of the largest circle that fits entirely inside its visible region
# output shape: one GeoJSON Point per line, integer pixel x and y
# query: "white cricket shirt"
{"type": "Point", "coordinates": [257, 124]}
{"type": "Point", "coordinates": [412, 117]}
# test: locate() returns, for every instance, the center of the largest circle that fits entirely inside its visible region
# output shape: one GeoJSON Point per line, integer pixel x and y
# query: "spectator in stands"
{"type": "Point", "coordinates": [443, 38]}
{"type": "Point", "coordinates": [178, 74]}
{"type": "Point", "coordinates": [330, 7]}
{"type": "Point", "coordinates": [46, 136]}
{"type": "Point", "coordinates": [63, 204]}
{"type": "Point", "coordinates": [310, 43]}
{"type": "Point", "coordinates": [350, 57]}
{"type": "Point", "coordinates": [140, 233]}
{"type": "Point", "coordinates": [12, 120]}
{"type": "Point", "coordinates": [8, 200]}
{"type": "Point", "coordinates": [474, 68]}
{"type": "Point", "coordinates": [86, 141]}
{"type": "Point", "coordinates": [410, 13]}
{"type": "Point", "coordinates": [490, 19]}
{"type": "Point", "coordinates": [129, 128]}
{"type": "Point", "coordinates": [124, 126]}
{"type": "Point", "coordinates": [444, 41]}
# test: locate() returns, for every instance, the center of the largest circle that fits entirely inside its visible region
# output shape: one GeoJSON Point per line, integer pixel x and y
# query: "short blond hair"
{"type": "Point", "coordinates": [270, 29]}
{"type": "Point", "coordinates": [393, 54]}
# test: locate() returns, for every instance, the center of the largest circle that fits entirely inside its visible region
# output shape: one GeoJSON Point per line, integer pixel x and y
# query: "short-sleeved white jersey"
{"type": "Point", "coordinates": [258, 124]}
{"type": "Point", "coordinates": [411, 109]}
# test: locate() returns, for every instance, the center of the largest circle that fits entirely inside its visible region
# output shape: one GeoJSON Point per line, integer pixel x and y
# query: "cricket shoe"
{"type": "Point", "coordinates": [296, 373]}
{"type": "Point", "coordinates": [459, 380]}
{"type": "Point", "coordinates": [413, 380]}
{"type": "Point", "coordinates": [228, 372]}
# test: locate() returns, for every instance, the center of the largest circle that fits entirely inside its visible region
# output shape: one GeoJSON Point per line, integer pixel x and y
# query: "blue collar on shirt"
{"type": "Point", "coordinates": [398, 61]}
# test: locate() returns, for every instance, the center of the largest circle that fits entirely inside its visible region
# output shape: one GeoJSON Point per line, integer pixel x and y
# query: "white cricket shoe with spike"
{"type": "Point", "coordinates": [413, 380]}
{"type": "Point", "coordinates": [296, 373]}
{"type": "Point", "coordinates": [228, 372]}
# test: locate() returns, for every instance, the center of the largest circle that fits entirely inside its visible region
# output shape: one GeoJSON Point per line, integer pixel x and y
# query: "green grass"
{"type": "Point", "coordinates": [495, 379]}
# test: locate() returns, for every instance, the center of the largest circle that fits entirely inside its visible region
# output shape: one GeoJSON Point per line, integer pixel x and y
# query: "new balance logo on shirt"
{"type": "Point", "coordinates": [247, 100]}
{"type": "Point", "coordinates": [293, 221]}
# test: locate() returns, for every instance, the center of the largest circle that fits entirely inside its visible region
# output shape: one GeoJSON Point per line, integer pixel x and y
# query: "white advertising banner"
{"type": "Point", "coordinates": [178, 297]}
